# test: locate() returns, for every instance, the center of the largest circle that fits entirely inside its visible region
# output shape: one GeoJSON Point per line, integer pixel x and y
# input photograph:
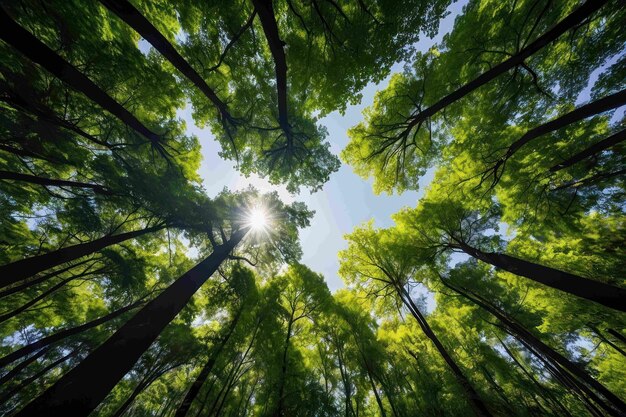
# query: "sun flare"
{"type": "Point", "coordinates": [257, 219]}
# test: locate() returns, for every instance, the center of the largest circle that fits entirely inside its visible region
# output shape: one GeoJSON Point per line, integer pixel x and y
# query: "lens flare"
{"type": "Point", "coordinates": [257, 219]}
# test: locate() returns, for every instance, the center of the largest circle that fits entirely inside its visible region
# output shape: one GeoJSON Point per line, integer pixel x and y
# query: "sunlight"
{"type": "Point", "coordinates": [257, 218]}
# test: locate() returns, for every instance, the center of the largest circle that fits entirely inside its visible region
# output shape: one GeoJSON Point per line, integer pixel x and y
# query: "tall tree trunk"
{"type": "Point", "coordinates": [36, 376]}
{"type": "Point", "coordinates": [569, 22]}
{"type": "Point", "coordinates": [78, 393]}
{"type": "Point", "coordinates": [63, 334]}
{"type": "Point", "coordinates": [617, 335]}
{"type": "Point", "coordinates": [22, 40]}
{"type": "Point", "coordinates": [265, 10]}
{"type": "Point", "coordinates": [25, 268]}
{"type": "Point", "coordinates": [45, 277]}
{"type": "Point", "coordinates": [527, 338]}
{"type": "Point", "coordinates": [33, 179]}
{"type": "Point", "coordinates": [590, 109]}
{"type": "Point", "coordinates": [129, 14]}
{"type": "Point", "coordinates": [19, 367]}
{"type": "Point", "coordinates": [592, 150]}
{"type": "Point", "coordinates": [605, 294]}
{"type": "Point", "coordinates": [206, 369]}
{"type": "Point", "coordinates": [379, 401]}
{"type": "Point", "coordinates": [283, 371]}
{"type": "Point", "coordinates": [480, 409]}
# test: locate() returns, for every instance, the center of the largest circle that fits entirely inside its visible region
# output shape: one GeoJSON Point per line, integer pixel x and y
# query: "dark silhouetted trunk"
{"type": "Point", "coordinates": [592, 150]}
{"type": "Point", "coordinates": [129, 14]}
{"type": "Point", "coordinates": [39, 280]}
{"type": "Point", "coordinates": [590, 109]}
{"type": "Point", "coordinates": [33, 179]}
{"type": "Point", "coordinates": [479, 407]}
{"type": "Point", "coordinates": [615, 405]}
{"type": "Point", "coordinates": [283, 371]}
{"type": "Point", "coordinates": [22, 40]}
{"type": "Point", "coordinates": [63, 334]}
{"type": "Point", "coordinates": [617, 335]}
{"type": "Point", "coordinates": [25, 268]}
{"type": "Point", "coordinates": [36, 376]}
{"type": "Point", "coordinates": [572, 20]}
{"type": "Point", "coordinates": [605, 294]}
{"type": "Point", "coordinates": [78, 393]}
{"type": "Point", "coordinates": [265, 10]}
{"type": "Point", "coordinates": [206, 369]}
{"type": "Point", "coordinates": [19, 367]}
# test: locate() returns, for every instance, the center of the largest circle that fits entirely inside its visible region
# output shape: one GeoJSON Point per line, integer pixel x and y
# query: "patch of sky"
{"type": "Point", "coordinates": [346, 200]}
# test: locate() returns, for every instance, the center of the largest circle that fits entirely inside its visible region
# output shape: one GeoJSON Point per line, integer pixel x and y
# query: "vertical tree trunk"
{"type": "Point", "coordinates": [22, 40]}
{"type": "Point", "coordinates": [63, 334]}
{"type": "Point", "coordinates": [78, 393]}
{"type": "Point", "coordinates": [592, 150]}
{"type": "Point", "coordinates": [206, 369]}
{"type": "Point", "coordinates": [605, 294]}
{"type": "Point", "coordinates": [129, 14]}
{"type": "Point", "coordinates": [479, 407]}
{"type": "Point", "coordinates": [283, 372]}
{"type": "Point", "coordinates": [24, 268]}
{"type": "Point", "coordinates": [615, 404]}
{"type": "Point", "coordinates": [569, 22]}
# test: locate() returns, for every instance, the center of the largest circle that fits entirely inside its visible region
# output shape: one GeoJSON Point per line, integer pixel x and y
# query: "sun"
{"type": "Point", "coordinates": [257, 218]}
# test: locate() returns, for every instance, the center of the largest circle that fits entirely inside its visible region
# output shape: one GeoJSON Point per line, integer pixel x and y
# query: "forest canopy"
{"type": "Point", "coordinates": [128, 289]}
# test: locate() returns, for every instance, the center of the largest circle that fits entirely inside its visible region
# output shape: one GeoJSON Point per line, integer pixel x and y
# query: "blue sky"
{"type": "Point", "coordinates": [345, 201]}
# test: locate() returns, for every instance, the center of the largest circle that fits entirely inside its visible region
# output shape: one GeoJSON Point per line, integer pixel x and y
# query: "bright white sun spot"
{"type": "Point", "coordinates": [257, 219]}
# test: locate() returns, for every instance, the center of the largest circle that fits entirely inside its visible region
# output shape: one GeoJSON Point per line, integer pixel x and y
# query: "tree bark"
{"type": "Point", "coordinates": [22, 40]}
{"type": "Point", "coordinates": [617, 335]}
{"type": "Point", "coordinates": [129, 14]}
{"type": "Point", "coordinates": [592, 150]}
{"type": "Point", "coordinates": [63, 334]}
{"type": "Point", "coordinates": [479, 407]}
{"type": "Point", "coordinates": [33, 179]}
{"type": "Point", "coordinates": [265, 10]}
{"type": "Point", "coordinates": [39, 280]}
{"type": "Point", "coordinates": [610, 102]}
{"type": "Point", "coordinates": [599, 292]}
{"type": "Point", "coordinates": [570, 21]}
{"type": "Point", "coordinates": [78, 393]}
{"type": "Point", "coordinates": [19, 367]}
{"type": "Point", "coordinates": [206, 370]}
{"type": "Point", "coordinates": [529, 339]}
{"type": "Point", "coordinates": [24, 268]}
{"type": "Point", "coordinates": [283, 371]}
{"type": "Point", "coordinates": [36, 376]}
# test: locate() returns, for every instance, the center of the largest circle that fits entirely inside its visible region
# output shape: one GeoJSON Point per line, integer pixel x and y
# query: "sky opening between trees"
{"type": "Point", "coordinates": [176, 178]}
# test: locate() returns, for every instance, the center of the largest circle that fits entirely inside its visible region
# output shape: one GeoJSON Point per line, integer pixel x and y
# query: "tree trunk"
{"type": "Point", "coordinates": [569, 22]}
{"type": "Point", "coordinates": [36, 376]}
{"type": "Point", "coordinates": [33, 179]}
{"type": "Point", "coordinates": [22, 40]}
{"type": "Point", "coordinates": [25, 268]}
{"type": "Point", "coordinates": [592, 150]}
{"type": "Point", "coordinates": [283, 371]}
{"type": "Point", "coordinates": [610, 102]}
{"type": "Point", "coordinates": [480, 409]}
{"type": "Point", "coordinates": [19, 367]}
{"type": "Point", "coordinates": [63, 334]}
{"type": "Point", "coordinates": [605, 294]}
{"type": "Point", "coordinates": [527, 338]}
{"type": "Point", "coordinates": [265, 10]}
{"type": "Point", "coordinates": [206, 369]}
{"type": "Point", "coordinates": [39, 280]}
{"type": "Point", "coordinates": [617, 335]}
{"type": "Point", "coordinates": [376, 394]}
{"type": "Point", "coordinates": [129, 14]}
{"type": "Point", "coordinates": [78, 393]}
